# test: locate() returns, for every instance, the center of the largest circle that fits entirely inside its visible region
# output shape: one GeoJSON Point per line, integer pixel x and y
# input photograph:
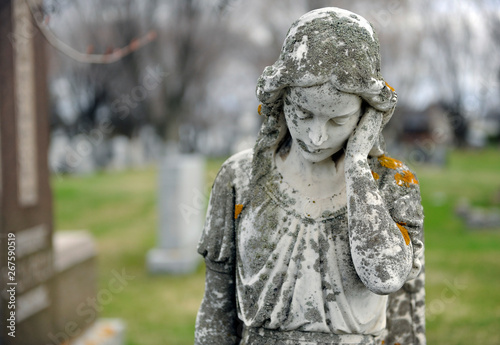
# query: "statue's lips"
{"type": "Point", "coordinates": [304, 147]}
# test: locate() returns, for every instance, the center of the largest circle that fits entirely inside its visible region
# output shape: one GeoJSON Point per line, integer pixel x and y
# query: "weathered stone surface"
{"type": "Point", "coordinates": [47, 281]}
{"type": "Point", "coordinates": [25, 197]}
{"type": "Point", "coordinates": [103, 332]}
{"type": "Point", "coordinates": [75, 283]}
{"type": "Point", "coordinates": [308, 233]}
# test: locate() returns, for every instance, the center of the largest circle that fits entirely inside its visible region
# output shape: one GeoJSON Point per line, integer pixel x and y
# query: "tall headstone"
{"type": "Point", "coordinates": [47, 283]}
{"type": "Point", "coordinates": [26, 258]}
{"type": "Point", "coordinates": [181, 212]}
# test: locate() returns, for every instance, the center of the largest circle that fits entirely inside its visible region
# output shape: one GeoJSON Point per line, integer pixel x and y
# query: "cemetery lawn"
{"type": "Point", "coordinates": [462, 265]}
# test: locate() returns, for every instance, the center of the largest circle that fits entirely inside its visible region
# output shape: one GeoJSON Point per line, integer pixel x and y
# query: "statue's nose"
{"type": "Point", "coordinates": [317, 134]}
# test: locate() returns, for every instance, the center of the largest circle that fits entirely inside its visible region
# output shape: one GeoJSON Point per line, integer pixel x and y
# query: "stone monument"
{"type": "Point", "coordinates": [44, 279]}
{"type": "Point", "coordinates": [26, 207]}
{"type": "Point", "coordinates": [181, 208]}
{"type": "Point", "coordinates": [316, 235]}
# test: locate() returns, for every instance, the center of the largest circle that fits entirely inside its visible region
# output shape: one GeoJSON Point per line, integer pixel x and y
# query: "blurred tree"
{"type": "Point", "coordinates": [208, 55]}
{"type": "Point", "coordinates": [189, 37]}
{"type": "Point", "coordinates": [455, 54]}
{"type": "Point", "coordinates": [103, 28]}
{"type": "Point", "coordinates": [190, 41]}
{"type": "Point", "coordinates": [444, 51]}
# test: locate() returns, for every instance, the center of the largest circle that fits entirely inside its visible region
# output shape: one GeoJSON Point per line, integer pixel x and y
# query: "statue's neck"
{"type": "Point", "coordinates": [313, 179]}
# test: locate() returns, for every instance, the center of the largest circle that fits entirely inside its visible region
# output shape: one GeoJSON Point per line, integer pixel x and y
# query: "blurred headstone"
{"type": "Point", "coordinates": [478, 218]}
{"type": "Point", "coordinates": [120, 146]}
{"type": "Point", "coordinates": [103, 332]}
{"type": "Point", "coordinates": [44, 283]}
{"type": "Point", "coordinates": [181, 212]}
{"type": "Point", "coordinates": [136, 153]}
{"type": "Point", "coordinates": [82, 152]}
{"type": "Point", "coordinates": [74, 284]}
{"type": "Point", "coordinates": [58, 148]}
{"type": "Point", "coordinates": [151, 142]}
{"type": "Point", "coordinates": [102, 154]}
{"type": "Point", "coordinates": [27, 297]}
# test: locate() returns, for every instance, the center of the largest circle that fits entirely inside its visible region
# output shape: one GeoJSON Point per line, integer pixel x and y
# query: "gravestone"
{"type": "Point", "coordinates": [43, 278]}
{"type": "Point", "coordinates": [181, 213]}
{"type": "Point", "coordinates": [74, 284]}
{"type": "Point", "coordinates": [26, 207]}
{"type": "Point", "coordinates": [120, 146]}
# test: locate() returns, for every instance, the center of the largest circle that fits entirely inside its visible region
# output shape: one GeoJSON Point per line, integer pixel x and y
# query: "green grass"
{"type": "Point", "coordinates": [120, 210]}
{"type": "Point", "coordinates": [462, 265]}
{"type": "Point", "coordinates": [468, 260]}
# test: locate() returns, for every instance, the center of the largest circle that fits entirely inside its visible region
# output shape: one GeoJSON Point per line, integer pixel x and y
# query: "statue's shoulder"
{"type": "Point", "coordinates": [238, 168]}
{"type": "Point", "coordinates": [239, 162]}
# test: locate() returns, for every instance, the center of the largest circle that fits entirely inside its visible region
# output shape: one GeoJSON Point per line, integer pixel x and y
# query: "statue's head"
{"type": "Point", "coordinates": [329, 54]}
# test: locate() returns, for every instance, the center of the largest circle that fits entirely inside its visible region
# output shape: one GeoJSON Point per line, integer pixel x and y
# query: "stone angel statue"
{"type": "Point", "coordinates": [315, 236]}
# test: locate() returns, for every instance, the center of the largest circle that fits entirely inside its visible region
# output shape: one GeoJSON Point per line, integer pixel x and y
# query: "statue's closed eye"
{"type": "Point", "coordinates": [341, 120]}
{"type": "Point", "coordinates": [303, 115]}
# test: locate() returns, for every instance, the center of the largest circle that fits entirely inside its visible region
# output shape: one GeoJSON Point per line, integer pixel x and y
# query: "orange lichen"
{"type": "Point", "coordinates": [390, 87]}
{"type": "Point", "coordinates": [237, 210]}
{"type": "Point", "coordinates": [107, 331]}
{"type": "Point", "coordinates": [405, 178]}
{"type": "Point", "coordinates": [375, 175]}
{"type": "Point", "coordinates": [404, 232]}
{"type": "Point", "coordinates": [259, 109]}
{"type": "Point", "coordinates": [389, 162]}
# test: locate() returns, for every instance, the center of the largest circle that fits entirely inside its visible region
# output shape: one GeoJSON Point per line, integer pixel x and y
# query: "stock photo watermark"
{"type": "Point", "coordinates": [11, 284]}
{"type": "Point", "coordinates": [198, 202]}
{"type": "Point", "coordinates": [152, 79]}
{"type": "Point", "coordinates": [448, 295]}
{"type": "Point", "coordinates": [382, 17]}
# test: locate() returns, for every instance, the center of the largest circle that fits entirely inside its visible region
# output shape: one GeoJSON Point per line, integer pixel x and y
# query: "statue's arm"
{"type": "Point", "coordinates": [217, 320]}
{"type": "Point", "coordinates": [381, 249]}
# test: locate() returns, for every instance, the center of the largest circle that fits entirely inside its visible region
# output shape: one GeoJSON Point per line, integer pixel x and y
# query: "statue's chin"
{"type": "Point", "coordinates": [317, 157]}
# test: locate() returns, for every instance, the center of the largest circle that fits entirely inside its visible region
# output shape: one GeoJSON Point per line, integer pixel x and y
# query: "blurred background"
{"type": "Point", "coordinates": [184, 81]}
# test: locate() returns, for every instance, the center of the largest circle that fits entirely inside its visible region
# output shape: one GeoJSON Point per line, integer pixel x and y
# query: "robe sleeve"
{"type": "Point", "coordinates": [217, 321]}
{"type": "Point", "coordinates": [217, 241]}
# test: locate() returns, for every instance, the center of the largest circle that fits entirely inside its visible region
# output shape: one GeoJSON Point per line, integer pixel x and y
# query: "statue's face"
{"type": "Point", "coordinates": [320, 119]}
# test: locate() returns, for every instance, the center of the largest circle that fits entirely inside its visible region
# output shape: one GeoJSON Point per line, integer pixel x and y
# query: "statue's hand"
{"type": "Point", "coordinates": [365, 135]}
